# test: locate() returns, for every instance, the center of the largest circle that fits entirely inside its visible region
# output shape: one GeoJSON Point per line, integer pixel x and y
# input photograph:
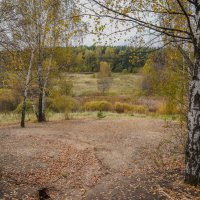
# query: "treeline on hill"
{"type": "Point", "coordinates": [87, 59]}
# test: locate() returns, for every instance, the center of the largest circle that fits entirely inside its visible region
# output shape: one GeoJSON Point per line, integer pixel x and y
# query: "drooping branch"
{"type": "Point", "coordinates": [172, 32]}
{"type": "Point", "coordinates": [188, 19]}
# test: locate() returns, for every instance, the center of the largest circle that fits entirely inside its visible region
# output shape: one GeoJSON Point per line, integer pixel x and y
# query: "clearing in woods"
{"type": "Point", "coordinates": [86, 159]}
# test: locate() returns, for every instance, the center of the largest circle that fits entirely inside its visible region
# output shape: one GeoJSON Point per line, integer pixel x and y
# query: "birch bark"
{"type": "Point", "coordinates": [28, 78]}
{"type": "Point", "coordinates": [192, 175]}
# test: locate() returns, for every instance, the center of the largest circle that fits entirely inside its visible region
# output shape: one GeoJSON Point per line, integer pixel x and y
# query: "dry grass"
{"type": "Point", "coordinates": [125, 91]}
{"type": "Point", "coordinates": [6, 119]}
{"type": "Point", "coordinates": [129, 108]}
{"type": "Point", "coordinates": [122, 84]}
{"type": "Point", "coordinates": [98, 106]}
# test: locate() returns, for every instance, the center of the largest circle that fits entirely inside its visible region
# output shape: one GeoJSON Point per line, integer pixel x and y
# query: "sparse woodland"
{"type": "Point", "coordinates": [119, 109]}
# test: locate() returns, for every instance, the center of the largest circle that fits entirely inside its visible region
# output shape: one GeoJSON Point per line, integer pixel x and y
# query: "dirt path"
{"type": "Point", "coordinates": [80, 159]}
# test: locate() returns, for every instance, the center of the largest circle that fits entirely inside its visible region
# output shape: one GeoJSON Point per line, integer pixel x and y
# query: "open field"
{"type": "Point", "coordinates": [122, 84]}
{"type": "Point", "coordinates": [125, 89]}
{"type": "Point", "coordinates": [88, 159]}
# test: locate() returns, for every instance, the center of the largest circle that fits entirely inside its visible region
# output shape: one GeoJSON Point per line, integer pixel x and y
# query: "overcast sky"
{"type": "Point", "coordinates": [91, 39]}
{"type": "Point", "coordinates": [117, 39]}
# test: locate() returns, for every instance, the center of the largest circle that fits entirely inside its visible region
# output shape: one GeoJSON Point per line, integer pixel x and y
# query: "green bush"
{"type": "Point", "coordinates": [100, 115]}
{"type": "Point", "coordinates": [98, 106]}
{"type": "Point", "coordinates": [62, 103]}
{"type": "Point", "coordinates": [127, 108]}
{"type": "Point", "coordinates": [29, 108]}
{"type": "Point", "coordinates": [60, 99]}
{"type": "Point", "coordinates": [167, 108]}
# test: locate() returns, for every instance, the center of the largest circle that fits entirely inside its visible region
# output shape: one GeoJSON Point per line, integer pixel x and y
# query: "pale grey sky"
{"type": "Point", "coordinates": [130, 37]}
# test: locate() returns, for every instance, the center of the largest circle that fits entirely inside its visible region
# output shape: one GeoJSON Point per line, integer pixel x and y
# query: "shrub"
{"type": "Point", "coordinates": [29, 107]}
{"type": "Point", "coordinates": [100, 115]}
{"type": "Point", "coordinates": [62, 103]}
{"type": "Point", "coordinates": [59, 102]}
{"type": "Point", "coordinates": [59, 99]}
{"type": "Point", "coordinates": [167, 109]}
{"type": "Point", "coordinates": [150, 102]}
{"type": "Point", "coordinates": [119, 107]}
{"type": "Point", "coordinates": [127, 108]}
{"type": "Point", "coordinates": [98, 106]}
{"type": "Point", "coordinates": [8, 100]}
{"type": "Point", "coordinates": [139, 109]}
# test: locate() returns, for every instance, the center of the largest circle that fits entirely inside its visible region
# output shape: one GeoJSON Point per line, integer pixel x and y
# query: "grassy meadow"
{"type": "Point", "coordinates": [123, 99]}
{"type": "Point", "coordinates": [122, 84]}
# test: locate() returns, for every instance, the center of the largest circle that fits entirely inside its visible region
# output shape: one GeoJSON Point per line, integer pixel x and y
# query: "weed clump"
{"type": "Point", "coordinates": [129, 108]}
{"type": "Point", "coordinates": [100, 115]}
{"type": "Point", "coordinates": [98, 106]}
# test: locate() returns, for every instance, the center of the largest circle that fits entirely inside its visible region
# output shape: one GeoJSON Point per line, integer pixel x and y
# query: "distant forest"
{"type": "Point", "coordinates": [87, 59]}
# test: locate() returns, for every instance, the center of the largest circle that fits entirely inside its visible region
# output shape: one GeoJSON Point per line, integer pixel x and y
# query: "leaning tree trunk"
{"type": "Point", "coordinates": [193, 144]}
{"type": "Point", "coordinates": [28, 78]}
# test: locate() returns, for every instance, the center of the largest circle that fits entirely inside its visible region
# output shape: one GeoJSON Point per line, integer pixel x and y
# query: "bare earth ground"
{"type": "Point", "coordinates": [88, 159]}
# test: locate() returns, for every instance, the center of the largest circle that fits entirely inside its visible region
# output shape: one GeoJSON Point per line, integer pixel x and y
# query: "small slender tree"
{"type": "Point", "coordinates": [104, 77]}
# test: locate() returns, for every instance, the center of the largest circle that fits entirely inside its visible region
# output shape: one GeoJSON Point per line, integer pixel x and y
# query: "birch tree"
{"type": "Point", "coordinates": [35, 26]}
{"type": "Point", "coordinates": [52, 21]}
{"type": "Point", "coordinates": [27, 35]}
{"type": "Point", "coordinates": [57, 22]}
{"type": "Point", "coordinates": [17, 36]}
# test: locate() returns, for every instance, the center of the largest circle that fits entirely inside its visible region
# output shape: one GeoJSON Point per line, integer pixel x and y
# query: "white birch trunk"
{"type": "Point", "coordinates": [45, 86]}
{"type": "Point", "coordinates": [192, 175]}
{"type": "Point", "coordinates": [28, 78]}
